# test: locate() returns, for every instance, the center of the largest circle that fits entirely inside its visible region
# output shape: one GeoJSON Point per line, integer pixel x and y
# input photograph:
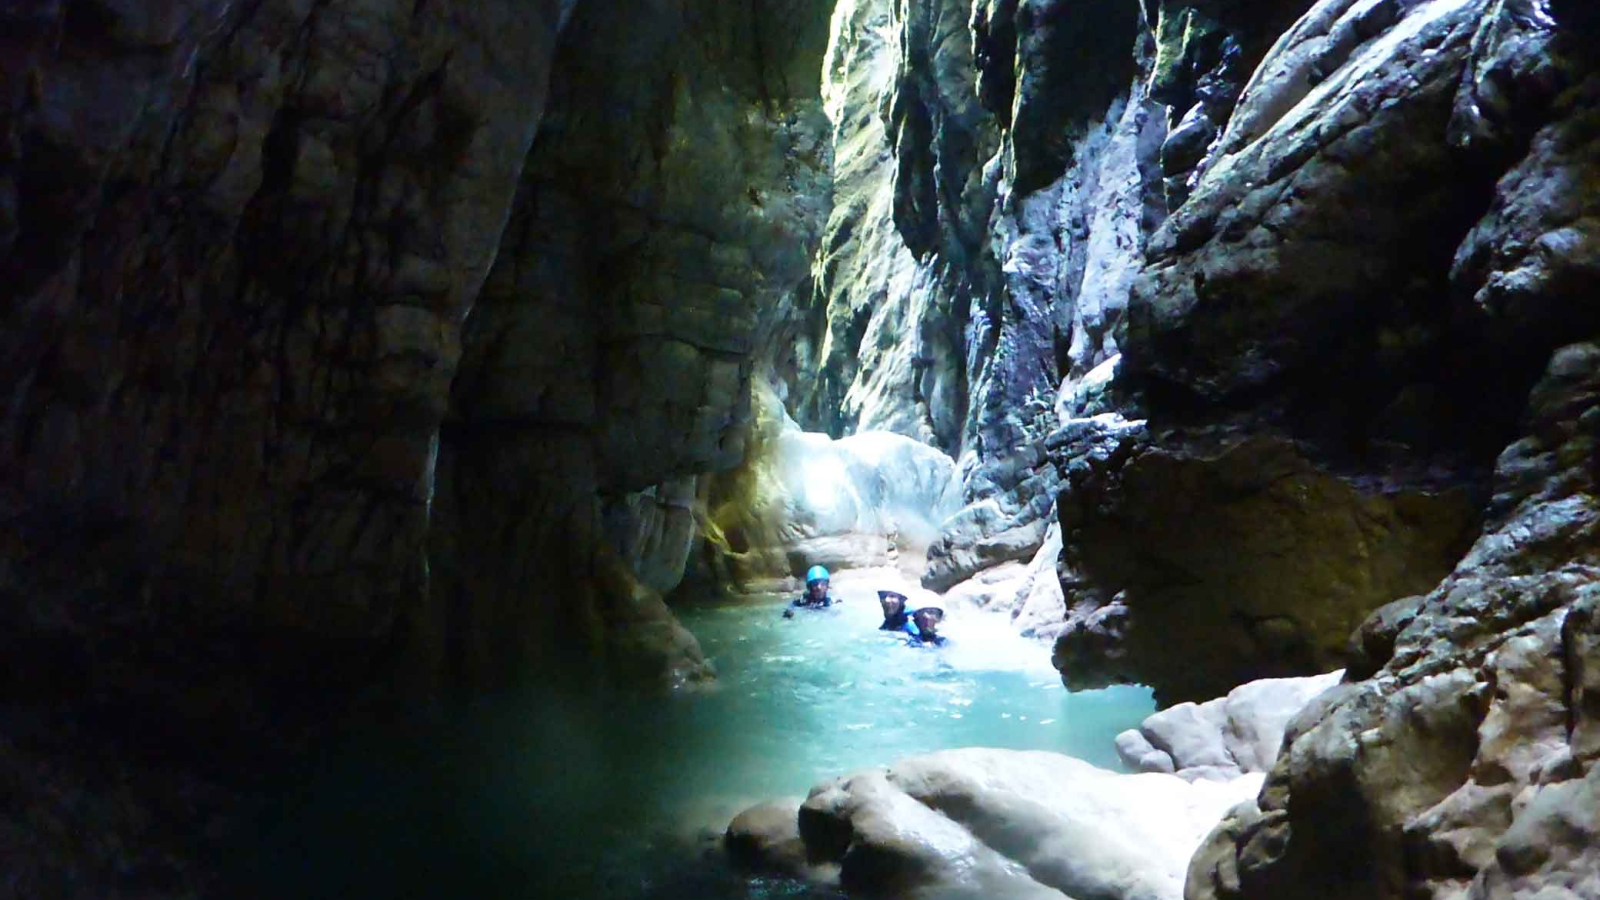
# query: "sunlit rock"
{"type": "Point", "coordinates": [980, 822]}
{"type": "Point", "coordinates": [801, 499]}
{"type": "Point", "coordinates": [1223, 738]}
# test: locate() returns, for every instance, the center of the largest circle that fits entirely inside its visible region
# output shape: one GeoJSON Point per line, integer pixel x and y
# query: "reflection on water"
{"type": "Point", "coordinates": [618, 796]}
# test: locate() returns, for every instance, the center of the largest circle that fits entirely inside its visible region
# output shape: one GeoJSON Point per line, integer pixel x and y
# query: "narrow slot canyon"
{"type": "Point", "coordinates": [917, 449]}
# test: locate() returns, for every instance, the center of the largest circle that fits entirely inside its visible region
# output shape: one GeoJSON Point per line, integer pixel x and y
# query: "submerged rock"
{"type": "Point", "coordinates": [1027, 824]}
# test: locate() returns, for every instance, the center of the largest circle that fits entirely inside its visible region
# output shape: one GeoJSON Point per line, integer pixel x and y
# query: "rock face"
{"type": "Point", "coordinates": [985, 198]}
{"type": "Point", "coordinates": [1247, 552]}
{"type": "Point", "coordinates": [1224, 738]}
{"type": "Point", "coordinates": [801, 499]}
{"type": "Point", "coordinates": [358, 344]}
{"type": "Point", "coordinates": [977, 822]}
{"type": "Point", "coordinates": [239, 243]}
{"type": "Point", "coordinates": [607, 365]}
{"type": "Point", "coordinates": [1279, 262]}
{"type": "Point", "coordinates": [1322, 351]}
{"type": "Point", "coordinates": [472, 341]}
{"type": "Point", "coordinates": [349, 350]}
{"type": "Point", "coordinates": [1464, 766]}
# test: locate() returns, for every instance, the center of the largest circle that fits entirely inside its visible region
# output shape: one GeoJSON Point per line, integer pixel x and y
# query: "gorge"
{"type": "Point", "coordinates": [419, 387]}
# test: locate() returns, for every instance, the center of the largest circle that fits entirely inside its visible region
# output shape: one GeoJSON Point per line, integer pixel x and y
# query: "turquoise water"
{"type": "Point", "coordinates": [620, 796]}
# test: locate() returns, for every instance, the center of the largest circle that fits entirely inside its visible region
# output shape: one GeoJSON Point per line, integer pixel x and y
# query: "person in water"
{"type": "Point", "coordinates": [816, 595]}
{"type": "Point", "coordinates": [927, 621]}
{"type": "Point", "coordinates": [895, 615]}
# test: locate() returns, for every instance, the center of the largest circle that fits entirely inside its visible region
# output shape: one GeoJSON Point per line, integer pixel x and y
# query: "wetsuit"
{"type": "Point", "coordinates": [900, 621]}
{"type": "Point", "coordinates": [917, 640]}
{"type": "Point", "coordinates": [805, 602]}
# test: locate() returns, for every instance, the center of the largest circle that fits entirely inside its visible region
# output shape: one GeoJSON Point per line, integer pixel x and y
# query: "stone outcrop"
{"type": "Point", "coordinates": [1321, 243]}
{"type": "Point", "coordinates": [980, 822]}
{"type": "Point", "coordinates": [1254, 561]}
{"type": "Point", "coordinates": [799, 499]}
{"type": "Point", "coordinates": [1321, 327]}
{"type": "Point", "coordinates": [1464, 766]}
{"type": "Point", "coordinates": [1205, 52]}
{"type": "Point", "coordinates": [333, 339]}
{"type": "Point", "coordinates": [986, 196]}
{"type": "Point", "coordinates": [379, 344]}
{"type": "Point", "coordinates": [660, 220]}
{"type": "Point", "coordinates": [239, 243]}
{"type": "Point", "coordinates": [1224, 738]}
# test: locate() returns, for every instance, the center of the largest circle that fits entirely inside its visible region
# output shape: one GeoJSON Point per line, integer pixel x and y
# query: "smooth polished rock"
{"type": "Point", "coordinates": [981, 822]}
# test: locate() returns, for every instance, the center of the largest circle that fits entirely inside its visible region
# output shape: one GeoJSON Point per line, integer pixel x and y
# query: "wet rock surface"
{"type": "Point", "coordinates": [801, 499]}
{"type": "Point", "coordinates": [347, 364]}
{"type": "Point", "coordinates": [360, 344]}
{"type": "Point", "coordinates": [1438, 771]}
{"type": "Point", "coordinates": [978, 822]}
{"type": "Point", "coordinates": [1263, 563]}
{"type": "Point", "coordinates": [1223, 738]}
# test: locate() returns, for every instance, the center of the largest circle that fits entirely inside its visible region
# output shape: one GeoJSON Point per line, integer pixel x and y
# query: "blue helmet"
{"type": "Point", "coordinates": [816, 573]}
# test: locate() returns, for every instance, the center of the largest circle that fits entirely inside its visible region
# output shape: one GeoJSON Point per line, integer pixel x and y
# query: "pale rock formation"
{"type": "Point", "coordinates": [1224, 738]}
{"type": "Point", "coordinates": [978, 822]}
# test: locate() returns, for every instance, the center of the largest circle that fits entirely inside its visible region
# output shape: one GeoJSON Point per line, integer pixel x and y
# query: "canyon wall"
{"type": "Point", "coordinates": [357, 345]}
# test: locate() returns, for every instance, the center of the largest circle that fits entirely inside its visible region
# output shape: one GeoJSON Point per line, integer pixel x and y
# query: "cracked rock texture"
{"type": "Point", "coordinates": [364, 349]}
{"type": "Point", "coordinates": [1329, 340]}
{"type": "Point", "coordinates": [361, 349]}
{"type": "Point", "coordinates": [1463, 765]}
{"type": "Point", "coordinates": [989, 202]}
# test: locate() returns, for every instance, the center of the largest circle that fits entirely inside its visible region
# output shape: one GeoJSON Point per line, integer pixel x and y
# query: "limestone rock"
{"type": "Point", "coordinates": [1465, 764]}
{"type": "Point", "coordinates": [1223, 738]}
{"type": "Point", "coordinates": [1204, 52]}
{"type": "Point", "coordinates": [882, 349]}
{"type": "Point", "coordinates": [803, 499]}
{"type": "Point", "coordinates": [768, 836]}
{"type": "Point", "coordinates": [342, 356]}
{"type": "Point", "coordinates": [1263, 563]}
{"type": "Point", "coordinates": [1011, 823]}
{"type": "Point", "coordinates": [1531, 263]}
{"type": "Point", "coordinates": [1007, 525]}
{"type": "Point", "coordinates": [1246, 284]}
{"type": "Point", "coordinates": [608, 361]}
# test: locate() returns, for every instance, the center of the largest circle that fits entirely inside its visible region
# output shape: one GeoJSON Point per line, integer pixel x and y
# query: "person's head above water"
{"type": "Point", "coordinates": [894, 604]}
{"type": "Point", "coordinates": [816, 582]}
{"type": "Point", "coordinates": [928, 619]}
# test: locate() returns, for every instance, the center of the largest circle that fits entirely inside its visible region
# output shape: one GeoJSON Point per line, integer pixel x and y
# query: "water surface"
{"type": "Point", "coordinates": [617, 796]}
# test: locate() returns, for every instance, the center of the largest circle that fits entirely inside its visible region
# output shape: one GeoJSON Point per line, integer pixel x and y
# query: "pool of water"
{"type": "Point", "coordinates": [619, 796]}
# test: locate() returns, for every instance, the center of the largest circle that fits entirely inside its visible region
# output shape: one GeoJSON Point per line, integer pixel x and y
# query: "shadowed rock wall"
{"type": "Point", "coordinates": [348, 348]}
{"type": "Point", "coordinates": [317, 354]}
{"type": "Point", "coordinates": [661, 219]}
{"type": "Point", "coordinates": [239, 243]}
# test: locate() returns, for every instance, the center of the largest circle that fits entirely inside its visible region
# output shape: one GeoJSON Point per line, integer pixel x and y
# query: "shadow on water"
{"type": "Point", "coordinates": [537, 796]}
{"type": "Point", "coordinates": [612, 795]}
